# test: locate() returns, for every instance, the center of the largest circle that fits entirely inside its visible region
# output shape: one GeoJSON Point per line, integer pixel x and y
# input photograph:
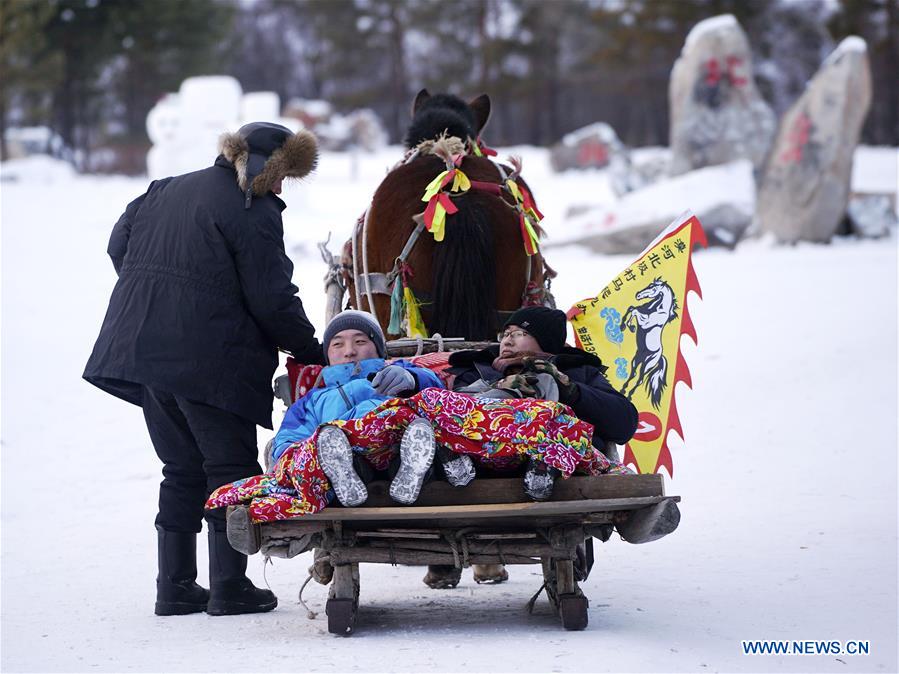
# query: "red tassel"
{"type": "Point", "coordinates": [529, 201]}
{"type": "Point", "coordinates": [447, 204]}
{"type": "Point", "coordinates": [448, 178]}
{"type": "Point", "coordinates": [429, 212]}
{"type": "Point", "coordinates": [528, 244]}
{"type": "Point", "coordinates": [486, 151]}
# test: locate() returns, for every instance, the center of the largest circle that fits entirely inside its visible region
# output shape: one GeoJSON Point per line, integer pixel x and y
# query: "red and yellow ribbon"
{"type": "Point", "coordinates": [528, 216]}
{"type": "Point", "coordinates": [478, 149]}
{"type": "Point", "coordinates": [439, 203]}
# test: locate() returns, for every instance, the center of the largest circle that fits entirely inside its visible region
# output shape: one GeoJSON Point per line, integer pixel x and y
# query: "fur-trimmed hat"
{"type": "Point", "coordinates": [264, 153]}
{"type": "Point", "coordinates": [545, 325]}
{"type": "Point", "coordinates": [355, 320]}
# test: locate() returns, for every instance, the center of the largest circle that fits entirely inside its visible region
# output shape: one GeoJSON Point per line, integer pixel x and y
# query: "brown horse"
{"type": "Point", "coordinates": [468, 283]}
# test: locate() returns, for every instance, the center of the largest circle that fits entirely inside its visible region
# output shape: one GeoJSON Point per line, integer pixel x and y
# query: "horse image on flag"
{"type": "Point", "coordinates": [648, 321]}
{"type": "Point", "coordinates": [634, 325]}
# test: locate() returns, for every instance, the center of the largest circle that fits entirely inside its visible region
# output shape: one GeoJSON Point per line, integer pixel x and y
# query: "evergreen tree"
{"type": "Point", "coordinates": [877, 21]}
{"type": "Point", "coordinates": [28, 68]}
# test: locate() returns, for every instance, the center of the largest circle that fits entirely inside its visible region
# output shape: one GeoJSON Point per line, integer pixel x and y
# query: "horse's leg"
{"type": "Point", "coordinates": [636, 361]}
{"type": "Point", "coordinates": [639, 378]}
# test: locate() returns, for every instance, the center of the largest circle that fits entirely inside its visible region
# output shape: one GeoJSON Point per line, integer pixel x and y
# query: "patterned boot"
{"type": "Point", "coordinates": [539, 480]}
{"type": "Point", "coordinates": [458, 468]}
{"type": "Point", "coordinates": [336, 457]}
{"type": "Point", "coordinates": [416, 456]}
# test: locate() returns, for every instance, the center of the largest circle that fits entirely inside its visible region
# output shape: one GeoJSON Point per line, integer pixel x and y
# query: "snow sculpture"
{"type": "Point", "coordinates": [717, 113]}
{"type": "Point", "coordinates": [805, 188]}
{"type": "Point", "coordinates": [260, 106]}
{"type": "Point", "coordinates": [185, 127]}
{"type": "Point", "coordinates": [163, 128]}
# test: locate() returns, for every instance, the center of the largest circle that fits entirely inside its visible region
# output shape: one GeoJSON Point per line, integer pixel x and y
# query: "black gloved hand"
{"type": "Point", "coordinates": [568, 390]}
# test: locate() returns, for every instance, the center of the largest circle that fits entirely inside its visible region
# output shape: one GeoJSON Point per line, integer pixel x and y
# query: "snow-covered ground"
{"type": "Point", "coordinates": [788, 475]}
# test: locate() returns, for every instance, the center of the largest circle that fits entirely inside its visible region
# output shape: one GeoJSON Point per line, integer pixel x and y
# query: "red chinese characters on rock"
{"type": "Point", "coordinates": [797, 138]}
{"type": "Point", "coordinates": [714, 73]}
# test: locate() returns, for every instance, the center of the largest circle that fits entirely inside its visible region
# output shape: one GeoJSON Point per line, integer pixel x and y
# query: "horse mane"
{"type": "Point", "coordinates": [463, 265]}
{"type": "Point", "coordinates": [464, 285]}
{"type": "Point", "coordinates": [674, 304]}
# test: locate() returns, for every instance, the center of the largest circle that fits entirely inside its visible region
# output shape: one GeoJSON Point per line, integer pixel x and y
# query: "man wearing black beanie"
{"type": "Point", "coordinates": [533, 339]}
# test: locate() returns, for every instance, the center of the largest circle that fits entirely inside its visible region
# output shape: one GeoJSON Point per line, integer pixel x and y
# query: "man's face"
{"type": "Point", "coordinates": [350, 346]}
{"type": "Point", "coordinates": [276, 188]}
{"type": "Point", "coordinates": [516, 339]}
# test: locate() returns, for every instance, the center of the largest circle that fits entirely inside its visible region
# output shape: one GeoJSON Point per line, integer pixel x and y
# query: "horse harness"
{"type": "Point", "coordinates": [379, 283]}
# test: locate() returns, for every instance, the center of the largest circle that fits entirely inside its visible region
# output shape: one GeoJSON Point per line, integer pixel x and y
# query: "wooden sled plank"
{"type": "Point", "coordinates": [492, 510]}
{"type": "Point", "coordinates": [511, 490]}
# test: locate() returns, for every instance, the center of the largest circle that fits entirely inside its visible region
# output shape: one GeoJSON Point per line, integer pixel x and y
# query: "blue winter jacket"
{"type": "Point", "coordinates": [347, 394]}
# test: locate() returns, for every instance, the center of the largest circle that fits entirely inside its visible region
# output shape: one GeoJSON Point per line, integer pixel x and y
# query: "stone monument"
{"type": "Point", "coordinates": [805, 187]}
{"type": "Point", "coordinates": [717, 113]}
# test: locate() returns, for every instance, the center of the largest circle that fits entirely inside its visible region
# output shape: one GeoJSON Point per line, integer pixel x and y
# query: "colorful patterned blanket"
{"type": "Point", "coordinates": [496, 433]}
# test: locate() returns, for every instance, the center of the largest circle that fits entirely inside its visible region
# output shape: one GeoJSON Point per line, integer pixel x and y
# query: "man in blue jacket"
{"type": "Point", "coordinates": [203, 301]}
{"type": "Point", "coordinates": [355, 382]}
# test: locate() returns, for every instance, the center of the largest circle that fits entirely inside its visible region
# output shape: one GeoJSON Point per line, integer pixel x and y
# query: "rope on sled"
{"type": "Point", "coordinates": [310, 614]}
{"type": "Point", "coordinates": [533, 600]}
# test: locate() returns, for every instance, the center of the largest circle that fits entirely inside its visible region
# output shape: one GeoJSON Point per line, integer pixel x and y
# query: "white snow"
{"type": "Point", "coordinates": [848, 45]}
{"type": "Point", "coordinates": [788, 474]}
{"type": "Point", "coordinates": [37, 168]}
{"type": "Point", "coordinates": [852, 43]}
{"type": "Point", "coordinates": [710, 25]}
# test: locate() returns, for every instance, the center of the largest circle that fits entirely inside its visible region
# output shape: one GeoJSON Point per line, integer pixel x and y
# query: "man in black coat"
{"type": "Point", "coordinates": [203, 301]}
{"type": "Point", "coordinates": [538, 334]}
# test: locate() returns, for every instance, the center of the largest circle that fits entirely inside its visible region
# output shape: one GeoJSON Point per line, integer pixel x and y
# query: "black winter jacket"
{"type": "Point", "coordinates": [204, 297]}
{"type": "Point", "coordinates": [613, 416]}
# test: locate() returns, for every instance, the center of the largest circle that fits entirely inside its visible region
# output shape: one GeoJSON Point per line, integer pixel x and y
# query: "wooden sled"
{"type": "Point", "coordinates": [490, 521]}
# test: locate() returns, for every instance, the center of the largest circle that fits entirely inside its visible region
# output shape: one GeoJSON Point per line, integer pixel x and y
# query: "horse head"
{"type": "Point", "coordinates": [661, 296]}
{"type": "Point", "coordinates": [654, 289]}
{"type": "Point", "coordinates": [435, 115]}
{"type": "Point", "coordinates": [481, 268]}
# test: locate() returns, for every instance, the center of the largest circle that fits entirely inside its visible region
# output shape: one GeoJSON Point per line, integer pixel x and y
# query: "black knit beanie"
{"type": "Point", "coordinates": [356, 320]}
{"type": "Point", "coordinates": [545, 325]}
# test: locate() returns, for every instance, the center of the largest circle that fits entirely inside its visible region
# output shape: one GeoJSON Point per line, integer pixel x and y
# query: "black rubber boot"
{"type": "Point", "coordinates": [177, 593]}
{"type": "Point", "coordinates": [442, 576]}
{"type": "Point", "coordinates": [230, 591]}
{"type": "Point", "coordinates": [539, 480]}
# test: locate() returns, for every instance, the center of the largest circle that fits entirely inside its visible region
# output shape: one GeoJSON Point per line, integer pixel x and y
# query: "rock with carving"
{"type": "Point", "coordinates": [717, 113]}
{"type": "Point", "coordinates": [805, 187]}
{"type": "Point", "coordinates": [596, 146]}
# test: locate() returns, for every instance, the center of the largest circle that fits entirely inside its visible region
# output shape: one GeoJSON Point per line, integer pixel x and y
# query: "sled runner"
{"type": "Point", "coordinates": [489, 521]}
